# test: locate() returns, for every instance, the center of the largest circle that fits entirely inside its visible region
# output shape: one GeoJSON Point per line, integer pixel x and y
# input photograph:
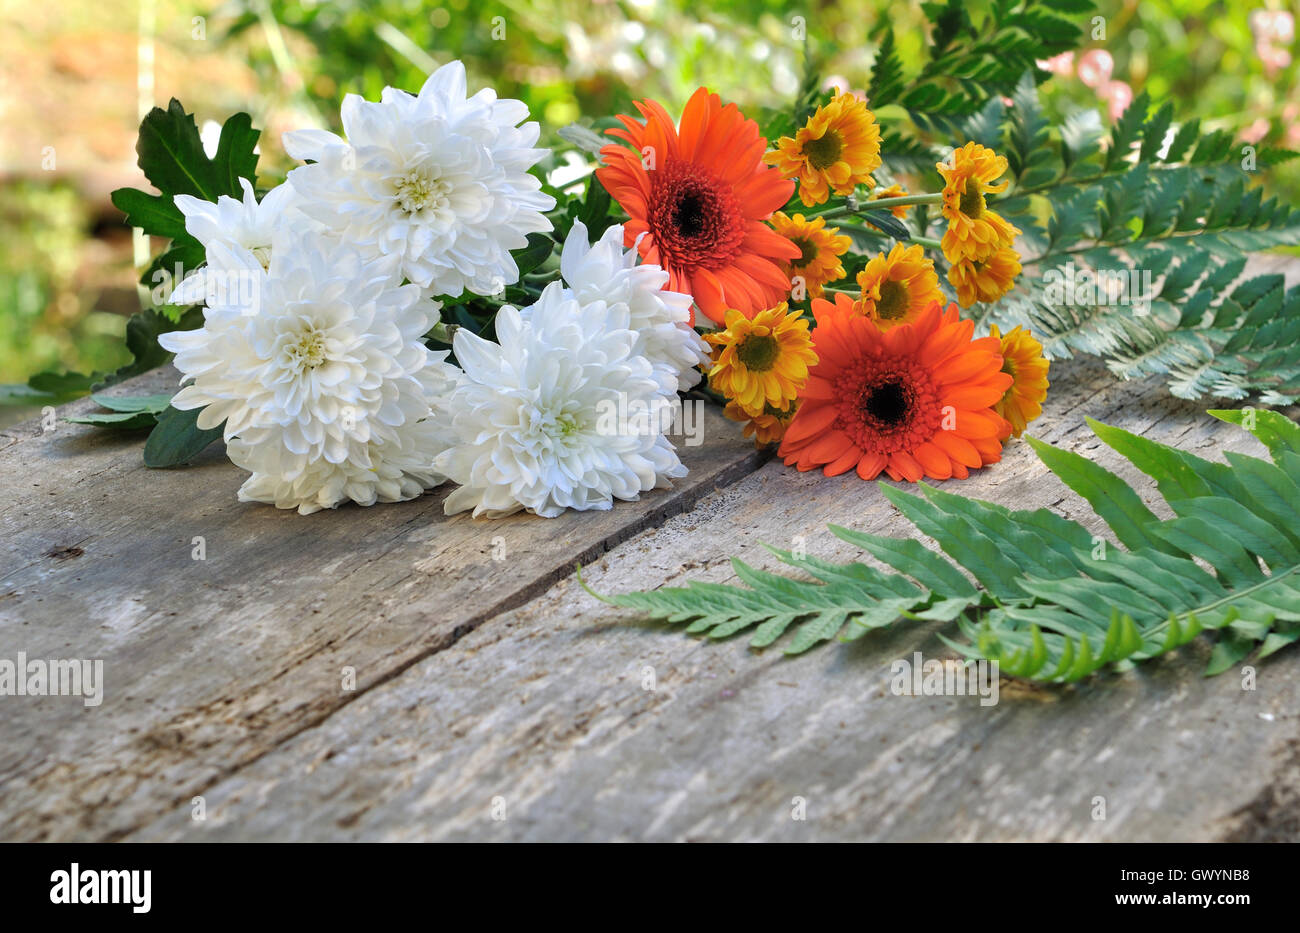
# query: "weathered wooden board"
{"type": "Point", "coordinates": [210, 663]}
{"type": "Point", "coordinates": [479, 678]}
{"type": "Point", "coordinates": [543, 714]}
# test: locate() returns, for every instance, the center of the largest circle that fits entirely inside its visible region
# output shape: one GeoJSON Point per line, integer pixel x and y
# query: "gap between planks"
{"type": "Point", "coordinates": [543, 708]}
{"type": "Point", "coordinates": [429, 578]}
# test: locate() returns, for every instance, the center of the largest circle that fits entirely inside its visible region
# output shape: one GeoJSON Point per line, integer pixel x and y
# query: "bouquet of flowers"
{"type": "Point", "coordinates": [306, 334]}
{"type": "Point", "coordinates": [420, 302]}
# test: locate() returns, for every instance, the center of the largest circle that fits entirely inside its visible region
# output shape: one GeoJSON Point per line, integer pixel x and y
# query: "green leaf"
{"type": "Point", "coordinates": [1109, 496]}
{"type": "Point", "coordinates": [177, 439]}
{"type": "Point", "coordinates": [886, 223]}
{"type": "Point", "coordinates": [1055, 608]}
{"type": "Point", "coordinates": [588, 140]}
{"type": "Point", "coordinates": [118, 420]}
{"type": "Point", "coordinates": [61, 386]}
{"type": "Point", "coordinates": [155, 404]}
{"type": "Point", "coordinates": [153, 213]}
{"type": "Point", "coordinates": [1274, 430]}
{"type": "Point", "coordinates": [126, 412]}
{"type": "Point", "coordinates": [595, 209]}
{"type": "Point", "coordinates": [142, 332]}
{"type": "Point", "coordinates": [170, 152]}
{"type": "Point", "coordinates": [538, 250]}
{"type": "Point", "coordinates": [1187, 218]}
{"type": "Point", "coordinates": [23, 394]}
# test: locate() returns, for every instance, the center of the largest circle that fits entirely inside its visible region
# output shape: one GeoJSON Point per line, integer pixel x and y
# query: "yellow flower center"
{"type": "Point", "coordinates": [564, 425]}
{"type": "Point", "coordinates": [824, 152]}
{"type": "Point", "coordinates": [309, 350]}
{"type": "Point", "coordinates": [758, 352]}
{"type": "Point", "coordinates": [419, 190]}
{"type": "Point", "coordinates": [893, 300]}
{"type": "Point", "coordinates": [972, 200]}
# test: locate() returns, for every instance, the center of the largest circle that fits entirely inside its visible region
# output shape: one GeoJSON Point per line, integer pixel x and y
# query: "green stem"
{"type": "Point", "coordinates": [928, 242]}
{"type": "Point", "coordinates": [844, 210]}
{"type": "Point", "coordinates": [878, 203]}
{"type": "Point", "coordinates": [864, 226]}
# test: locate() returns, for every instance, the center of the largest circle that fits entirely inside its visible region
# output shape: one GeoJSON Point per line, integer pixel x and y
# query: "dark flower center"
{"type": "Point", "coordinates": [689, 214]}
{"type": "Point", "coordinates": [694, 217]}
{"type": "Point", "coordinates": [972, 200]}
{"type": "Point", "coordinates": [695, 213]}
{"type": "Point", "coordinates": [892, 303]}
{"type": "Point", "coordinates": [758, 353]}
{"type": "Point", "coordinates": [887, 403]}
{"type": "Point", "coordinates": [888, 406]}
{"type": "Point", "coordinates": [825, 151]}
{"type": "Point", "coordinates": [807, 250]}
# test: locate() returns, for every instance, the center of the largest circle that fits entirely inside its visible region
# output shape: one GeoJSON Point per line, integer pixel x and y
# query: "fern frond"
{"type": "Point", "coordinates": [1045, 598]}
{"type": "Point", "coordinates": [970, 61]}
{"type": "Point", "coordinates": [1167, 215]}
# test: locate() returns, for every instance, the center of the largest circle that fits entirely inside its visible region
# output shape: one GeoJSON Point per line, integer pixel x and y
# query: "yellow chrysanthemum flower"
{"type": "Point", "coordinates": [762, 360]}
{"type": "Point", "coordinates": [987, 279]}
{"type": "Point", "coordinates": [820, 249]}
{"type": "Point", "coordinates": [893, 191]}
{"type": "Point", "coordinates": [898, 210]}
{"type": "Point", "coordinates": [1022, 358]}
{"type": "Point", "coordinates": [766, 426]}
{"type": "Point", "coordinates": [836, 150]}
{"type": "Point", "coordinates": [898, 287]}
{"type": "Point", "coordinates": [974, 231]}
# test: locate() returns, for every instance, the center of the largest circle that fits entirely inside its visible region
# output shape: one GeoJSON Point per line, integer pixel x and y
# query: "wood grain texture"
{"type": "Point", "coordinates": [544, 710]}
{"type": "Point", "coordinates": [482, 680]}
{"type": "Point", "coordinates": [210, 663]}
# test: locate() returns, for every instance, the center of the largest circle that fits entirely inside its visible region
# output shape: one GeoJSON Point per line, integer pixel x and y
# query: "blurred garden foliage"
{"type": "Point", "coordinates": [1230, 65]}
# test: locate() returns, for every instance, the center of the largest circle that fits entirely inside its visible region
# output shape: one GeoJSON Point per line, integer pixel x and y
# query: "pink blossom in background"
{"type": "Point", "coordinates": [839, 84]}
{"type": "Point", "coordinates": [1273, 58]}
{"type": "Point", "coordinates": [1256, 131]}
{"type": "Point", "coordinates": [1061, 65]}
{"type": "Point", "coordinates": [1117, 95]}
{"type": "Point", "coordinates": [1283, 26]}
{"type": "Point", "coordinates": [1273, 30]}
{"type": "Point", "coordinates": [1272, 26]}
{"type": "Point", "coordinates": [1291, 120]}
{"type": "Point", "coordinates": [1095, 68]}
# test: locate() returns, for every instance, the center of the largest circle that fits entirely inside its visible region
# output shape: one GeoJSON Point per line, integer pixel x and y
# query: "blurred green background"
{"type": "Point", "coordinates": [72, 87]}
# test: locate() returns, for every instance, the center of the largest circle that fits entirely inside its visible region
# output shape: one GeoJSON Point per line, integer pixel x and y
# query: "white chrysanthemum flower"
{"type": "Point", "coordinates": [564, 413]}
{"type": "Point", "coordinates": [229, 222]}
{"type": "Point", "coordinates": [440, 180]}
{"type": "Point", "coordinates": [604, 271]}
{"type": "Point", "coordinates": [390, 471]}
{"type": "Point", "coordinates": [317, 369]}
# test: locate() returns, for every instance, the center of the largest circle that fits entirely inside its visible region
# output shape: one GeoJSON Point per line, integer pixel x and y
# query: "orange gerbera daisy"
{"type": "Point", "coordinates": [910, 402]}
{"type": "Point", "coordinates": [701, 194]}
{"type": "Point", "coordinates": [1023, 360]}
{"type": "Point", "coordinates": [987, 279]}
{"type": "Point", "coordinates": [974, 231]}
{"type": "Point", "coordinates": [820, 249]}
{"type": "Point", "coordinates": [836, 150]}
{"type": "Point", "coordinates": [767, 426]}
{"type": "Point", "coordinates": [763, 361]}
{"type": "Point", "coordinates": [898, 287]}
